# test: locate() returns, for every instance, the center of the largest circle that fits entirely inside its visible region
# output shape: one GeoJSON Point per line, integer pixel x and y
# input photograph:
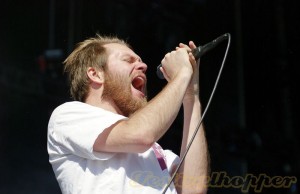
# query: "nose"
{"type": "Point", "coordinates": [141, 66]}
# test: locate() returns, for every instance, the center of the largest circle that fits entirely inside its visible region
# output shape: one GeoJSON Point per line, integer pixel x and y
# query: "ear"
{"type": "Point", "coordinates": [96, 76]}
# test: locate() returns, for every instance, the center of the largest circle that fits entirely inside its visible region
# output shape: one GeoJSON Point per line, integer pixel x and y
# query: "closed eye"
{"type": "Point", "coordinates": [129, 59]}
{"type": "Point", "coordinates": [132, 59]}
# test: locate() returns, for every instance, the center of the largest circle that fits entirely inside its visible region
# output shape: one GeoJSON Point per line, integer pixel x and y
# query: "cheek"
{"type": "Point", "coordinates": [118, 67]}
{"type": "Point", "coordinates": [123, 81]}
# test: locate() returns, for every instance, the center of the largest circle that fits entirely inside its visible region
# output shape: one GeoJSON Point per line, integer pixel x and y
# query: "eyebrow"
{"type": "Point", "coordinates": [136, 57]}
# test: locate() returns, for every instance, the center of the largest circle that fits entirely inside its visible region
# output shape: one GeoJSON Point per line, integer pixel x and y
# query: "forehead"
{"type": "Point", "coordinates": [115, 49]}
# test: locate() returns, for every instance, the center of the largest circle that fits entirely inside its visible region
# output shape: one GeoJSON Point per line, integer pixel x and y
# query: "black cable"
{"type": "Point", "coordinates": [203, 115]}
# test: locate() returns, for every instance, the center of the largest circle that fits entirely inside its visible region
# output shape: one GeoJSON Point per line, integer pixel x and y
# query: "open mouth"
{"type": "Point", "coordinates": [138, 83]}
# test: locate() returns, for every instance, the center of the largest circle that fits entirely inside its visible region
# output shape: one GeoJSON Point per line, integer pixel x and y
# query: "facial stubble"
{"type": "Point", "coordinates": [118, 89]}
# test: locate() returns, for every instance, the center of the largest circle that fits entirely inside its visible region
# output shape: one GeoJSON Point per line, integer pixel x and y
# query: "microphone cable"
{"type": "Point", "coordinates": [203, 115]}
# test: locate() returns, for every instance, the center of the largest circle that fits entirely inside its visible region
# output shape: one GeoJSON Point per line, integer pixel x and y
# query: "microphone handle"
{"type": "Point", "coordinates": [199, 51]}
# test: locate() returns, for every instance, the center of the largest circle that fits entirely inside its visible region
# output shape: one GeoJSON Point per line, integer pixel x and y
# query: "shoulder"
{"type": "Point", "coordinates": [76, 111]}
{"type": "Point", "coordinates": [73, 105]}
{"type": "Point", "coordinates": [76, 107]}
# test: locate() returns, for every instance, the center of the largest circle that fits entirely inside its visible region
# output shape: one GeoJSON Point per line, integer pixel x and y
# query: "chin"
{"type": "Point", "coordinates": [138, 94]}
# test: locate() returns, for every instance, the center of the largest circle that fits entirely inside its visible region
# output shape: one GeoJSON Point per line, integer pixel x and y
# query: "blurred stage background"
{"type": "Point", "coordinates": [253, 122]}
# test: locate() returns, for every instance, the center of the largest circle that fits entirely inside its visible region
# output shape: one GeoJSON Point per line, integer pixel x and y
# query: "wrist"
{"type": "Point", "coordinates": [191, 99]}
{"type": "Point", "coordinates": [183, 78]}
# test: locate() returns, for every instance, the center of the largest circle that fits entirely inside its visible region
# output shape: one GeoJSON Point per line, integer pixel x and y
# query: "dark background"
{"type": "Point", "coordinates": [252, 124]}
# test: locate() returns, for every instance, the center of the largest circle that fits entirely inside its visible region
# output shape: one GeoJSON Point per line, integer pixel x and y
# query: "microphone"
{"type": "Point", "coordinates": [199, 51]}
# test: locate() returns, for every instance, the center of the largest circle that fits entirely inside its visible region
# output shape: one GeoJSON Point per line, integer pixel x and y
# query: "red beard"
{"type": "Point", "coordinates": [118, 89]}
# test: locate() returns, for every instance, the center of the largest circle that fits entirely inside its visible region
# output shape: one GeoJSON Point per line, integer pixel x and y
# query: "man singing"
{"type": "Point", "coordinates": [105, 140]}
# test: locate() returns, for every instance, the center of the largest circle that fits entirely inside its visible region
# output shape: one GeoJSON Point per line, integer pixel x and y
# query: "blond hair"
{"type": "Point", "coordinates": [89, 53]}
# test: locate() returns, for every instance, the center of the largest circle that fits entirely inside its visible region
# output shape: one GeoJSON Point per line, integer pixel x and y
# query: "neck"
{"type": "Point", "coordinates": [105, 104]}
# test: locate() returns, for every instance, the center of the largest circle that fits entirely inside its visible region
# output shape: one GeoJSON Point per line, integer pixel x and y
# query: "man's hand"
{"type": "Point", "coordinates": [177, 63]}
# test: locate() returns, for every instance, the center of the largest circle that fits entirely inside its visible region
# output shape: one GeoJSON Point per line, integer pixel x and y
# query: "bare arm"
{"type": "Point", "coordinates": [193, 173]}
{"type": "Point", "coordinates": [147, 125]}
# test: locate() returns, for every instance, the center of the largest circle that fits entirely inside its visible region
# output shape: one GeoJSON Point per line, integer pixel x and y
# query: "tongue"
{"type": "Point", "coordinates": [137, 83]}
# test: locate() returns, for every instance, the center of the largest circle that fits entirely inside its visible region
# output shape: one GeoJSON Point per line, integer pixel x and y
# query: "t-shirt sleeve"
{"type": "Point", "coordinates": [74, 127]}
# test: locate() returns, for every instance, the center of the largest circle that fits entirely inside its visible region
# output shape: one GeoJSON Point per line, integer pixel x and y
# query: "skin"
{"type": "Point", "coordinates": [148, 124]}
{"type": "Point", "coordinates": [195, 165]}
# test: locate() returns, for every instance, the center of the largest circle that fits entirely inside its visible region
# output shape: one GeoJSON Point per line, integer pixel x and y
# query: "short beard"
{"type": "Point", "coordinates": [118, 89]}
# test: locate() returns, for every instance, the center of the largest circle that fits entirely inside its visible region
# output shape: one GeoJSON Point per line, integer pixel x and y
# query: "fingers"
{"type": "Point", "coordinates": [192, 58]}
{"type": "Point", "coordinates": [181, 57]}
{"type": "Point", "coordinates": [192, 45]}
{"type": "Point", "coordinates": [181, 45]}
{"type": "Point", "coordinates": [173, 62]}
{"type": "Point", "coordinates": [189, 47]}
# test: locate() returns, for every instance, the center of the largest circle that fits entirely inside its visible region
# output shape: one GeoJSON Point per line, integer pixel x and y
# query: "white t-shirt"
{"type": "Point", "coordinates": [72, 131]}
